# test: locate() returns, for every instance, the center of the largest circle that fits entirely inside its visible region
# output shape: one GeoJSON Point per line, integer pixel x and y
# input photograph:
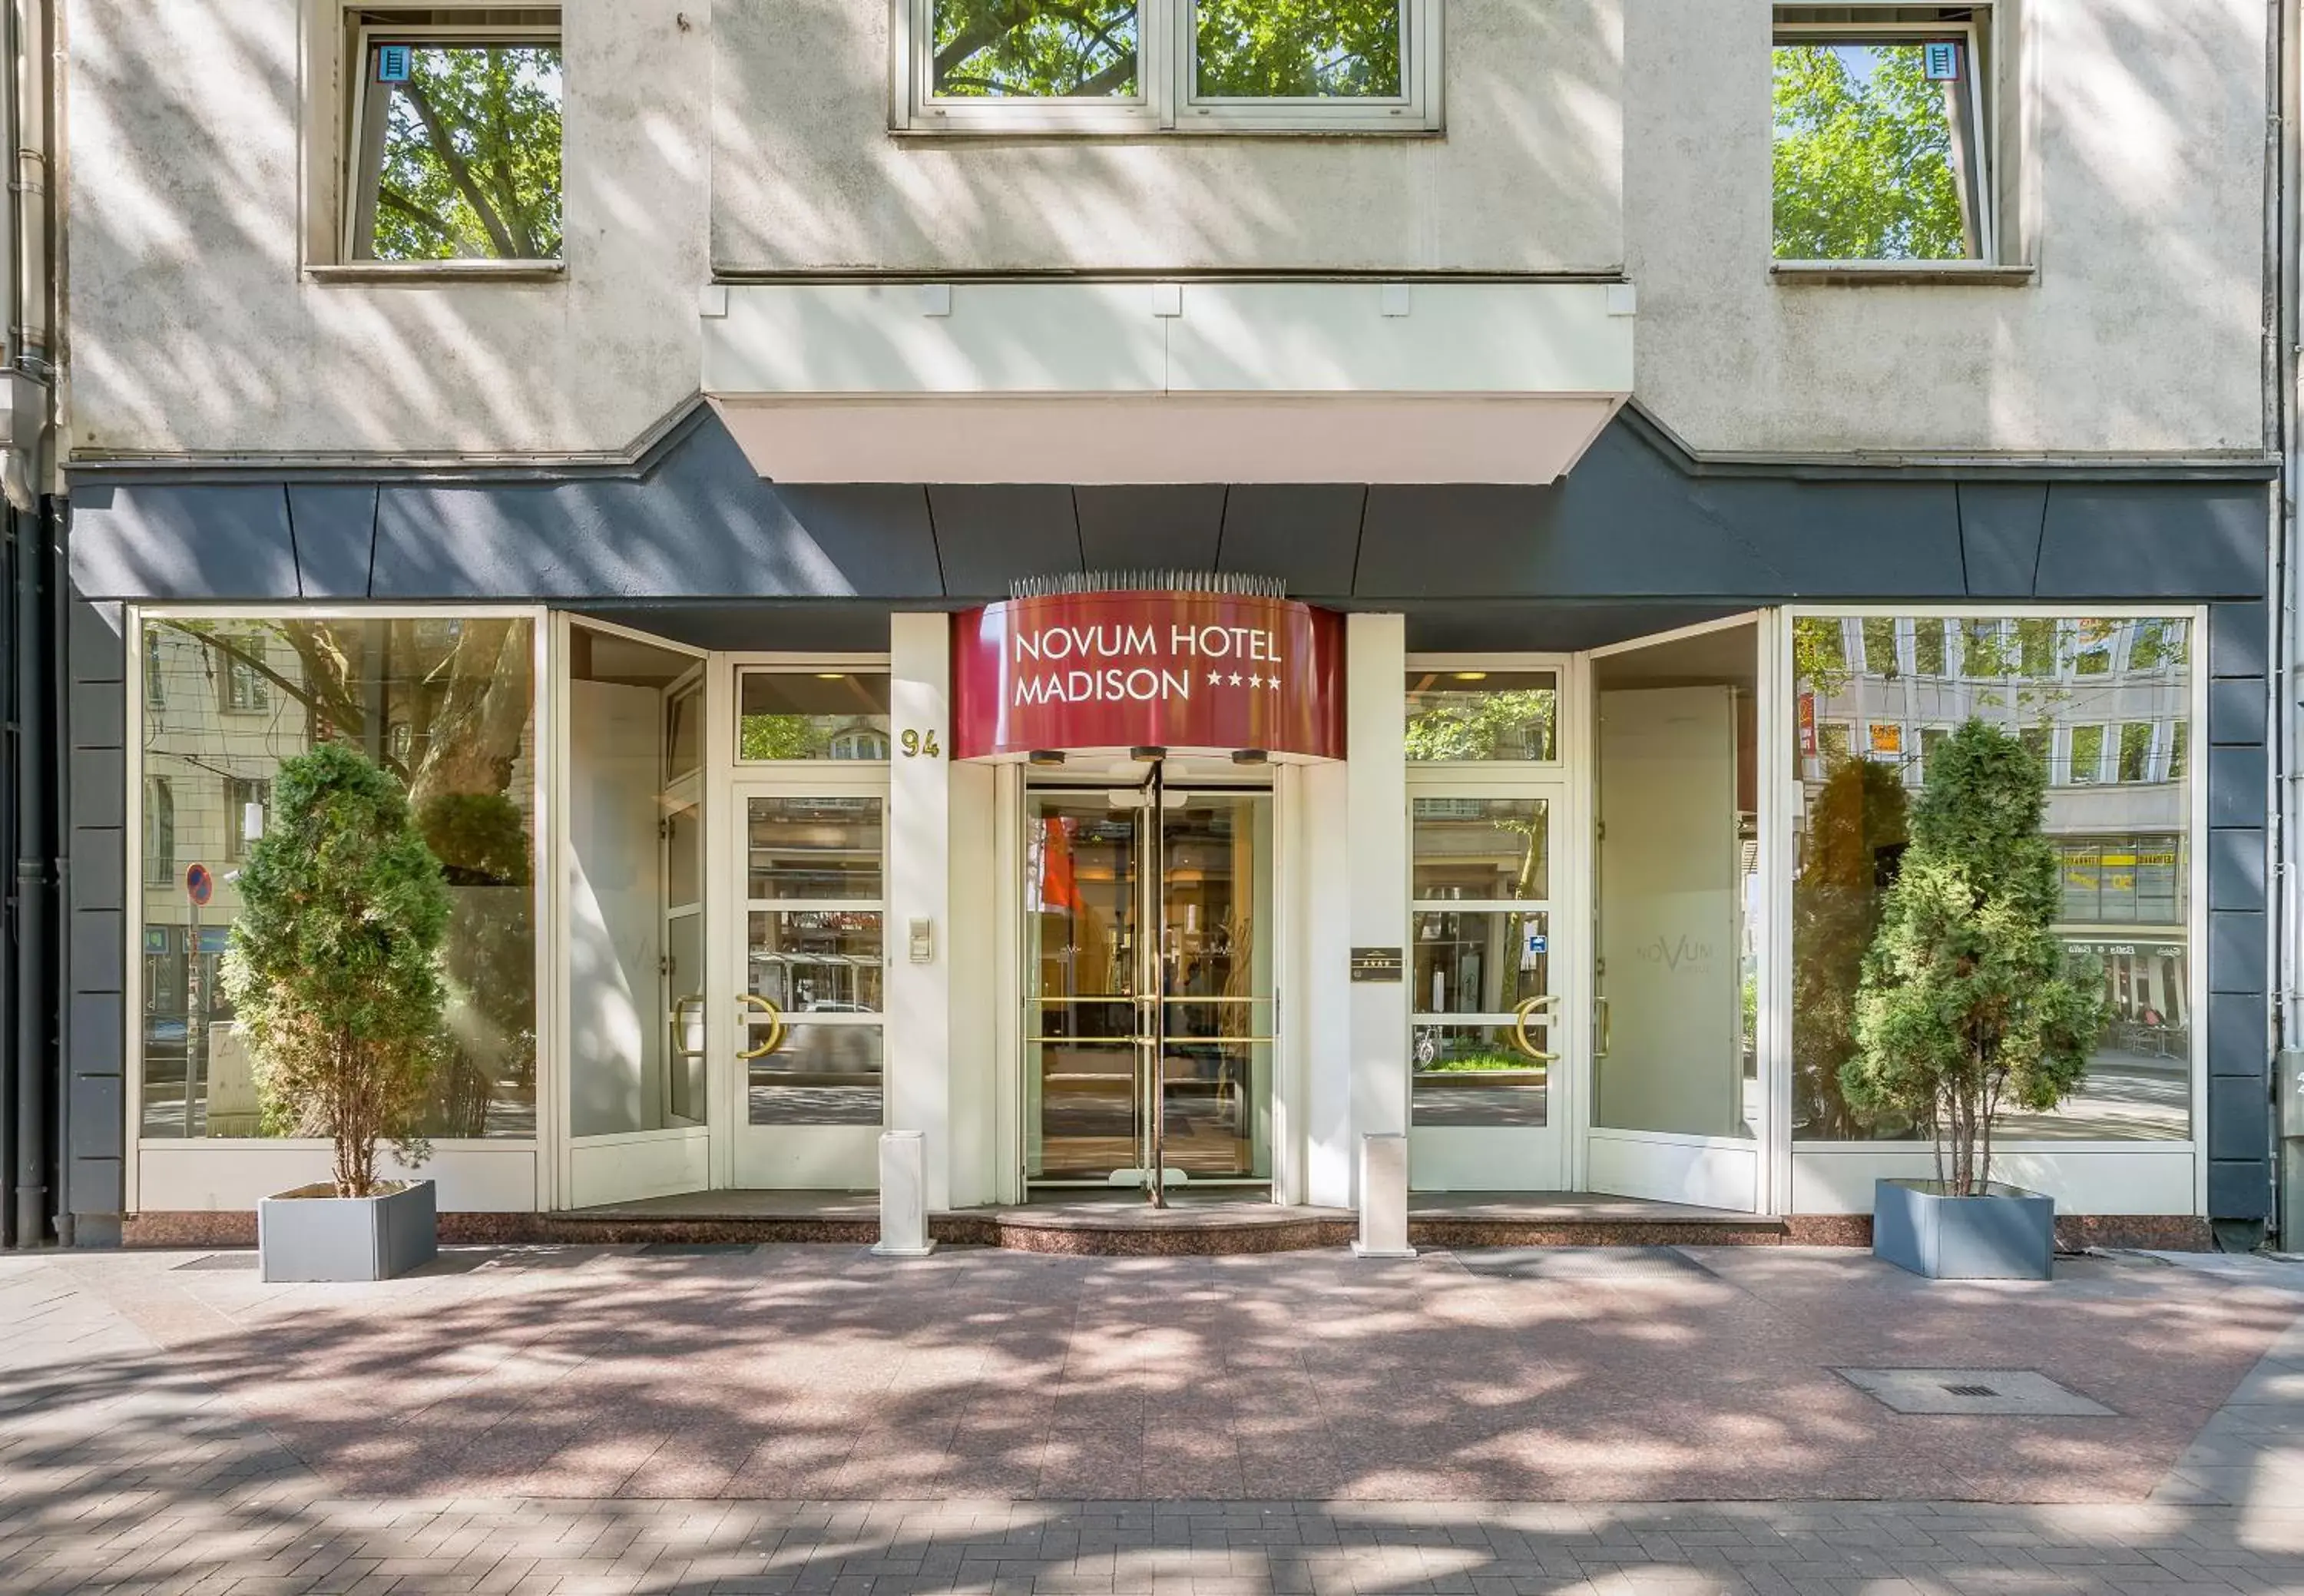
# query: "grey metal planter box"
{"type": "Point", "coordinates": [310, 1234]}
{"type": "Point", "coordinates": [2009, 1233]}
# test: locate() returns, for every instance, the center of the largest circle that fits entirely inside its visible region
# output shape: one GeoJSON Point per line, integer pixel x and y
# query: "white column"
{"type": "Point", "coordinates": [972, 955]}
{"type": "Point", "coordinates": [1318, 1005]}
{"type": "Point", "coordinates": [1375, 666]}
{"type": "Point", "coordinates": [918, 1070]}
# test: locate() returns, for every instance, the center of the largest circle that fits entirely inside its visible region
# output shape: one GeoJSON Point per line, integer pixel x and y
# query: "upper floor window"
{"type": "Point", "coordinates": [1882, 146]}
{"type": "Point", "coordinates": [1167, 65]}
{"type": "Point", "coordinates": [453, 149]}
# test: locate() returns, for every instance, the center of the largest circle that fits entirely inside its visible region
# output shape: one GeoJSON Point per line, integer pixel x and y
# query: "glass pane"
{"type": "Point", "coordinates": [1929, 646]}
{"type": "Point", "coordinates": [1478, 964]}
{"type": "Point", "coordinates": [2086, 767]}
{"type": "Point", "coordinates": [1880, 645]}
{"type": "Point", "coordinates": [1677, 957]}
{"type": "Point", "coordinates": [817, 961]}
{"type": "Point", "coordinates": [631, 861]}
{"type": "Point", "coordinates": [444, 703]}
{"type": "Point", "coordinates": [1035, 49]}
{"type": "Point", "coordinates": [1086, 1126]}
{"type": "Point", "coordinates": [684, 1095]}
{"type": "Point", "coordinates": [819, 714]}
{"type": "Point", "coordinates": [684, 735]}
{"type": "Point", "coordinates": [468, 160]}
{"type": "Point", "coordinates": [1478, 1076]}
{"type": "Point", "coordinates": [1483, 715]}
{"type": "Point", "coordinates": [1494, 849]}
{"type": "Point", "coordinates": [819, 1074]}
{"type": "Point", "coordinates": [1326, 49]}
{"type": "Point", "coordinates": [813, 848]}
{"type": "Point", "coordinates": [1211, 1093]}
{"type": "Point", "coordinates": [2104, 706]}
{"type": "Point", "coordinates": [1867, 166]}
{"type": "Point", "coordinates": [684, 853]}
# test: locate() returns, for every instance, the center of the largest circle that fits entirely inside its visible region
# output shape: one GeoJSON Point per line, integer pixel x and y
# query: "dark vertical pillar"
{"type": "Point", "coordinates": [97, 659]}
{"type": "Point", "coordinates": [2239, 1130]}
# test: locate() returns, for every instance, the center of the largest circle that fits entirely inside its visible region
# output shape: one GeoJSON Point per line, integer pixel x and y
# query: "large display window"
{"type": "Point", "coordinates": [2106, 704]}
{"type": "Point", "coordinates": [446, 702]}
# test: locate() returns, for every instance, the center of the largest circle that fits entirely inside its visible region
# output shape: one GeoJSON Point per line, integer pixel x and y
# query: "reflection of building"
{"type": "Point", "coordinates": [2105, 705]}
{"type": "Point", "coordinates": [216, 725]}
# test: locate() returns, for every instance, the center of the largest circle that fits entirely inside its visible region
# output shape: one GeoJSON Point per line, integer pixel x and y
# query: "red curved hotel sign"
{"type": "Point", "coordinates": [1207, 673]}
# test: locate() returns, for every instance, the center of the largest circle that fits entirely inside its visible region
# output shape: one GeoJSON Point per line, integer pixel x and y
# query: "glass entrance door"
{"type": "Point", "coordinates": [1151, 1008]}
{"type": "Point", "coordinates": [811, 971]}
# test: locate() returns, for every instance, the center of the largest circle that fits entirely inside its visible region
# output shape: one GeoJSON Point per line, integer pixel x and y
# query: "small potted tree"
{"type": "Point", "coordinates": [1969, 1003]}
{"type": "Point", "coordinates": [334, 971]}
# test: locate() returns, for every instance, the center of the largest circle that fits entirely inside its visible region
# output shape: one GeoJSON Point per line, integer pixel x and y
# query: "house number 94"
{"type": "Point", "coordinates": [919, 745]}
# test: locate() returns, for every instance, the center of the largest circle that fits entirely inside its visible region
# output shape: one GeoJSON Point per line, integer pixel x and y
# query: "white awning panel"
{"type": "Point", "coordinates": [1146, 382]}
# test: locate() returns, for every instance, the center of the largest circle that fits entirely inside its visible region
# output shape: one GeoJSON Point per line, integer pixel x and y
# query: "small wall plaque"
{"type": "Point", "coordinates": [1376, 964]}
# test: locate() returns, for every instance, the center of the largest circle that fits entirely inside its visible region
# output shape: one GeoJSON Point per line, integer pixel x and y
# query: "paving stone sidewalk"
{"type": "Point", "coordinates": [135, 1455]}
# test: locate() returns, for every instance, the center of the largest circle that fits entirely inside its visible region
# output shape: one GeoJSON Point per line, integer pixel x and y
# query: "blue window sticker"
{"type": "Point", "coordinates": [1940, 60]}
{"type": "Point", "coordinates": [1537, 942]}
{"type": "Point", "coordinates": [393, 61]}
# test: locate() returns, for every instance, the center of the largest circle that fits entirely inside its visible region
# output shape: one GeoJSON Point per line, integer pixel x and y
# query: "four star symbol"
{"type": "Point", "coordinates": [1218, 679]}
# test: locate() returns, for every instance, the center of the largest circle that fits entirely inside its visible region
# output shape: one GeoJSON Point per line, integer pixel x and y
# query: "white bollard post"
{"type": "Point", "coordinates": [1383, 1198]}
{"type": "Point", "coordinates": [903, 1196]}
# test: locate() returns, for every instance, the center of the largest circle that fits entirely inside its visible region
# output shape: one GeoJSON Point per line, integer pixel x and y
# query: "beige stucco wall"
{"type": "Point", "coordinates": [193, 328]}
{"type": "Point", "coordinates": [2141, 333]}
{"type": "Point", "coordinates": [1527, 178]}
{"type": "Point", "coordinates": [753, 137]}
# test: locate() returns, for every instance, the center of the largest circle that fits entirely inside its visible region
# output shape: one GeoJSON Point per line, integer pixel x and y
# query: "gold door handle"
{"type": "Point", "coordinates": [776, 1025]}
{"type": "Point", "coordinates": [1519, 1028]}
{"type": "Point", "coordinates": [678, 1018]}
{"type": "Point", "coordinates": [1601, 1050]}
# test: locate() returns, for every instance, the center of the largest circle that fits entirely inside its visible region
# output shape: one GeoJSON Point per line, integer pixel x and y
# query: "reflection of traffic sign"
{"type": "Point", "coordinates": [198, 884]}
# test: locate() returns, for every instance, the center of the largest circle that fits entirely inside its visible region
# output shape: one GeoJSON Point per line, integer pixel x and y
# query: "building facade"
{"type": "Point", "coordinates": [1153, 590]}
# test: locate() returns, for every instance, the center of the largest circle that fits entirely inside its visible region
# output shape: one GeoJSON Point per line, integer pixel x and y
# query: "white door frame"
{"type": "Point", "coordinates": [1463, 1158]}
{"type": "Point", "coordinates": [619, 1166]}
{"type": "Point", "coordinates": [1733, 1172]}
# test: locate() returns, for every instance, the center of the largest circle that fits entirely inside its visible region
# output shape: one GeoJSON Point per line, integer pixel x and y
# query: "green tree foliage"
{"type": "Point", "coordinates": [1863, 163]}
{"type": "Point", "coordinates": [1969, 1000]}
{"type": "Point", "coordinates": [1039, 49]}
{"type": "Point", "coordinates": [332, 966]}
{"type": "Point", "coordinates": [1298, 49]}
{"type": "Point", "coordinates": [1820, 654]}
{"type": "Point", "coordinates": [1517, 725]}
{"type": "Point", "coordinates": [471, 155]}
{"type": "Point", "coordinates": [1857, 825]}
{"type": "Point", "coordinates": [488, 958]}
{"type": "Point", "coordinates": [1088, 49]}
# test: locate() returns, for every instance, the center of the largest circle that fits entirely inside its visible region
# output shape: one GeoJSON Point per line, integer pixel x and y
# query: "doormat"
{"type": "Point", "coordinates": [2010, 1393]}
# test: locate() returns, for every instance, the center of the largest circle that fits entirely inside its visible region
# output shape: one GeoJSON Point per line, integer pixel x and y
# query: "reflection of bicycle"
{"type": "Point", "coordinates": [1428, 1046]}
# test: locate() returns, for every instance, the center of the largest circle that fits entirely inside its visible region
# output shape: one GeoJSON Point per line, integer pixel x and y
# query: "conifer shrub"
{"type": "Point", "coordinates": [1969, 1002]}
{"type": "Point", "coordinates": [333, 964]}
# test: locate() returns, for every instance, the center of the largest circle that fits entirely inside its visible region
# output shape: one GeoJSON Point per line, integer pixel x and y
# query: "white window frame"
{"type": "Point", "coordinates": [803, 664]}
{"type": "Point", "coordinates": [496, 1165]}
{"type": "Point", "coordinates": [1167, 102]}
{"type": "Point", "coordinates": [1981, 42]}
{"type": "Point", "coordinates": [357, 187]}
{"type": "Point", "coordinates": [1548, 770]}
